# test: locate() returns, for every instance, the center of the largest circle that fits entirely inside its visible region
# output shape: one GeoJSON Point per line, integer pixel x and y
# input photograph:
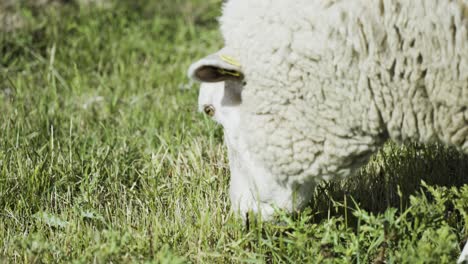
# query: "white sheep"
{"type": "Point", "coordinates": [321, 84]}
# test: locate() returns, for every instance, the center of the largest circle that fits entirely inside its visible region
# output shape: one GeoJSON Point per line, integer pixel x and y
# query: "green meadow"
{"type": "Point", "coordinates": [104, 157]}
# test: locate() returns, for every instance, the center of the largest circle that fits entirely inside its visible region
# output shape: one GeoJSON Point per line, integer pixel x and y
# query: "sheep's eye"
{"type": "Point", "coordinates": [209, 110]}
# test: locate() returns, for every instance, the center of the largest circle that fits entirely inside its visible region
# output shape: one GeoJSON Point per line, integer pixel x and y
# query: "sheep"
{"type": "Point", "coordinates": [321, 84]}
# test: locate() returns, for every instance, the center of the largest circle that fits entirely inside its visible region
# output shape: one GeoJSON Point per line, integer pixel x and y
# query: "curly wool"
{"type": "Point", "coordinates": [329, 81]}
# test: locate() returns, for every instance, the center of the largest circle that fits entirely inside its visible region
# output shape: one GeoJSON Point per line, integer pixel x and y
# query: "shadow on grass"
{"type": "Point", "coordinates": [390, 178]}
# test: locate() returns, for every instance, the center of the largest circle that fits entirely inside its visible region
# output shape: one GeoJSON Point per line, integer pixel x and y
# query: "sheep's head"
{"type": "Point", "coordinates": [275, 160]}
{"type": "Point", "coordinates": [252, 187]}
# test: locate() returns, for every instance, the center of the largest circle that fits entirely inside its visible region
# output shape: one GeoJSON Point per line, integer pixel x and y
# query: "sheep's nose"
{"type": "Point", "coordinates": [209, 110]}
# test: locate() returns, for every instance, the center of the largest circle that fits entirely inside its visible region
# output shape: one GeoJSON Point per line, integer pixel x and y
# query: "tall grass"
{"type": "Point", "coordinates": [103, 157]}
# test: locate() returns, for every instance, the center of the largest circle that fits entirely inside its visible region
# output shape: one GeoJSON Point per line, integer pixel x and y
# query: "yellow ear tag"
{"type": "Point", "coordinates": [228, 72]}
{"type": "Point", "coordinates": [230, 60]}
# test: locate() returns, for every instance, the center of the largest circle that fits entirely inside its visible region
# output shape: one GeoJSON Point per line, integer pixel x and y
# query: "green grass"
{"type": "Point", "coordinates": [104, 158]}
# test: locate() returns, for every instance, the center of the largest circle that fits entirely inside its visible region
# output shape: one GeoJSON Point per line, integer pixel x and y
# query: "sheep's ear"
{"type": "Point", "coordinates": [216, 68]}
